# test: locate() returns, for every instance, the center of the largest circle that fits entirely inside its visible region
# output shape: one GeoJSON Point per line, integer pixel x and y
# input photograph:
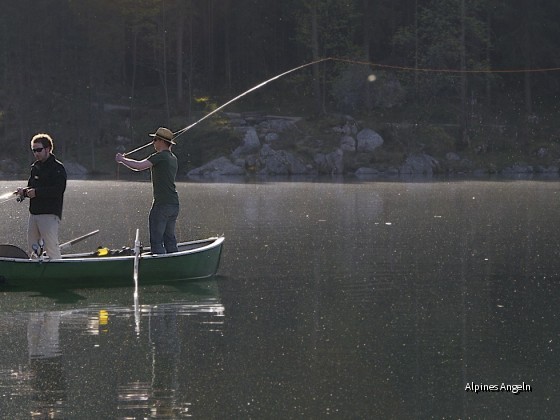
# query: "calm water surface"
{"type": "Point", "coordinates": [339, 300]}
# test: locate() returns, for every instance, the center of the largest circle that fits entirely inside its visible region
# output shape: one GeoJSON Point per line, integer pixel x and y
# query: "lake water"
{"type": "Point", "coordinates": [340, 300]}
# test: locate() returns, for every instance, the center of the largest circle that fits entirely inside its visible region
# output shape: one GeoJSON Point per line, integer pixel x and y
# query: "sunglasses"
{"type": "Point", "coordinates": [38, 149]}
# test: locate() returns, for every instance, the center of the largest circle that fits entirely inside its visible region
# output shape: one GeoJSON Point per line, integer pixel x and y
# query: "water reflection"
{"type": "Point", "coordinates": [45, 364]}
{"type": "Point", "coordinates": [97, 350]}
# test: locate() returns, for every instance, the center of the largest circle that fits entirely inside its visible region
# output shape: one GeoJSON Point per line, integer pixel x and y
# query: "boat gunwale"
{"type": "Point", "coordinates": [215, 241]}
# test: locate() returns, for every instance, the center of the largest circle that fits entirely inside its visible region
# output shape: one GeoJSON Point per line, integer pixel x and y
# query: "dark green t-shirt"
{"type": "Point", "coordinates": [164, 170]}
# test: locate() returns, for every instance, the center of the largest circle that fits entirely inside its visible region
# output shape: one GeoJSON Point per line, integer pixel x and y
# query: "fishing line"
{"type": "Point", "coordinates": [349, 61]}
{"type": "Point", "coordinates": [434, 70]}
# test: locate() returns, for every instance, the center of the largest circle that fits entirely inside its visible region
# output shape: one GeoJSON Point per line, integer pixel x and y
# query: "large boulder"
{"type": "Point", "coordinates": [218, 167]}
{"type": "Point", "coordinates": [421, 164]}
{"type": "Point", "coordinates": [75, 169]}
{"type": "Point", "coordinates": [330, 163]}
{"type": "Point", "coordinates": [250, 144]}
{"type": "Point", "coordinates": [278, 124]}
{"type": "Point", "coordinates": [368, 140]}
{"type": "Point", "coordinates": [279, 162]}
{"type": "Point", "coordinates": [348, 144]}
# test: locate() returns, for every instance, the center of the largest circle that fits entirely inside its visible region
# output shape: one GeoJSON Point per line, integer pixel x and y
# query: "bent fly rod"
{"type": "Point", "coordinates": [278, 76]}
{"type": "Point", "coordinates": [4, 198]}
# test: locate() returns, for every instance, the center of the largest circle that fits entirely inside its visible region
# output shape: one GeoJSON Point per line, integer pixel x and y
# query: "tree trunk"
{"type": "Point", "coordinates": [488, 60]}
{"type": "Point", "coordinates": [164, 62]}
{"type": "Point", "coordinates": [227, 47]}
{"type": "Point", "coordinates": [210, 54]}
{"type": "Point", "coordinates": [133, 81]}
{"type": "Point", "coordinates": [366, 23]}
{"type": "Point", "coordinates": [6, 65]}
{"type": "Point", "coordinates": [315, 53]}
{"type": "Point", "coordinates": [528, 65]}
{"type": "Point", "coordinates": [464, 110]}
{"type": "Point", "coordinates": [416, 51]}
{"type": "Point", "coordinates": [527, 83]}
{"type": "Point", "coordinates": [180, 58]}
{"type": "Point", "coordinates": [190, 73]}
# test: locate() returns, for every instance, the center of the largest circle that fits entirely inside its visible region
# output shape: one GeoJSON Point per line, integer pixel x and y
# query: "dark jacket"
{"type": "Point", "coordinates": [49, 181]}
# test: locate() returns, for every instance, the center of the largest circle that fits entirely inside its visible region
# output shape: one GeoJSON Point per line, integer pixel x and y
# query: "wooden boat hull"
{"type": "Point", "coordinates": [194, 260]}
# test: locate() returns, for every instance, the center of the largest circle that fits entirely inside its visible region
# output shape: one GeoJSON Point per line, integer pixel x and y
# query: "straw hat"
{"type": "Point", "coordinates": [164, 134]}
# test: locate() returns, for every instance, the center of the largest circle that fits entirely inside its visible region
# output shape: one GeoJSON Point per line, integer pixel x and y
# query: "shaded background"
{"type": "Point", "coordinates": [96, 74]}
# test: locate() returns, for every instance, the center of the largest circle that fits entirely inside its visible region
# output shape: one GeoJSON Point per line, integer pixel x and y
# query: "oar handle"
{"type": "Point", "coordinates": [71, 242]}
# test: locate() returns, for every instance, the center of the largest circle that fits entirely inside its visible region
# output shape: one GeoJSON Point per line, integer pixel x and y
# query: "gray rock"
{"type": "Point", "coordinates": [350, 128]}
{"type": "Point", "coordinates": [348, 144]}
{"type": "Point", "coordinates": [271, 137]}
{"type": "Point", "coordinates": [279, 124]}
{"type": "Point", "coordinates": [75, 169]}
{"type": "Point", "coordinates": [217, 167]}
{"type": "Point", "coordinates": [368, 140]}
{"type": "Point", "coordinates": [250, 144]}
{"type": "Point", "coordinates": [279, 162]}
{"type": "Point", "coordinates": [419, 164]}
{"type": "Point", "coordinates": [330, 163]}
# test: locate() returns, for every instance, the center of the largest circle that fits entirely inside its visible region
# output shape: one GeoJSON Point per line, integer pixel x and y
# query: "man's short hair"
{"type": "Point", "coordinates": [44, 139]}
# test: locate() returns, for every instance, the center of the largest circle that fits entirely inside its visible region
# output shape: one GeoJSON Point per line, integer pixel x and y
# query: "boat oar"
{"type": "Point", "coordinates": [66, 245]}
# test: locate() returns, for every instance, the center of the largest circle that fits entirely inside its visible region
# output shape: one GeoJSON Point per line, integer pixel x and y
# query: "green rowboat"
{"type": "Point", "coordinates": [194, 260]}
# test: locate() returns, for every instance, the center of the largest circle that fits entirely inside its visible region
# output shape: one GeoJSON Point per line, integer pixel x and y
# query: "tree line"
{"type": "Point", "coordinates": [63, 60]}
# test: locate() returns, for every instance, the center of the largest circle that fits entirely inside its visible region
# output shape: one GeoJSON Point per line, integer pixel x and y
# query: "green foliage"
{"type": "Point", "coordinates": [434, 44]}
{"type": "Point", "coordinates": [435, 140]}
{"type": "Point", "coordinates": [336, 25]}
{"type": "Point", "coordinates": [348, 88]}
{"type": "Point", "coordinates": [62, 61]}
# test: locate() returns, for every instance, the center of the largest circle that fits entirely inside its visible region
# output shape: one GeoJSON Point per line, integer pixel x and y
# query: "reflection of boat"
{"type": "Point", "coordinates": [194, 260]}
{"type": "Point", "coordinates": [176, 295]}
{"type": "Point", "coordinates": [89, 334]}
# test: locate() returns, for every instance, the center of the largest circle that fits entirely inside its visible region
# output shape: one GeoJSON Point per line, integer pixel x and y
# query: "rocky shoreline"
{"type": "Point", "coordinates": [269, 147]}
{"type": "Point", "coordinates": [279, 146]}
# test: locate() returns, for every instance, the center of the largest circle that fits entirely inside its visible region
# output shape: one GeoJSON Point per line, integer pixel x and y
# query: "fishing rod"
{"type": "Point", "coordinates": [184, 130]}
{"type": "Point", "coordinates": [4, 198]}
{"type": "Point", "coordinates": [348, 61]}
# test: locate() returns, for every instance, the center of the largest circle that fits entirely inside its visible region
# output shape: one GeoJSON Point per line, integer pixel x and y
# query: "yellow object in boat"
{"type": "Point", "coordinates": [102, 252]}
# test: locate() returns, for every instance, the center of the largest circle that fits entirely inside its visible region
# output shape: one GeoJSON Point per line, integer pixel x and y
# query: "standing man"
{"type": "Point", "coordinates": [165, 206]}
{"type": "Point", "coordinates": [45, 189]}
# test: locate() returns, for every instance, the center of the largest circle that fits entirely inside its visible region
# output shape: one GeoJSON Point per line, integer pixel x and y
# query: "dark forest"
{"type": "Point", "coordinates": [92, 71]}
